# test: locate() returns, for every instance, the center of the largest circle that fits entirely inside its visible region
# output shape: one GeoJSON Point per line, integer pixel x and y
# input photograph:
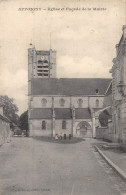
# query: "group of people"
{"type": "Point", "coordinates": [60, 137]}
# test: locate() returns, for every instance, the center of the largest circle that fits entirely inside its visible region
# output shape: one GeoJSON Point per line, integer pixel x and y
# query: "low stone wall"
{"type": "Point", "coordinates": [4, 132]}
{"type": "Point", "coordinates": [104, 133]}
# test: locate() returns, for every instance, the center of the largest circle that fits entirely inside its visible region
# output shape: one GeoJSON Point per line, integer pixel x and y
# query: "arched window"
{"type": "Point", "coordinates": [62, 102]}
{"type": "Point", "coordinates": [63, 124]}
{"type": "Point", "coordinates": [40, 62]}
{"type": "Point", "coordinates": [43, 125]}
{"type": "Point", "coordinates": [97, 103]}
{"type": "Point", "coordinates": [80, 102]}
{"type": "Point", "coordinates": [45, 61]}
{"type": "Point", "coordinates": [44, 102]}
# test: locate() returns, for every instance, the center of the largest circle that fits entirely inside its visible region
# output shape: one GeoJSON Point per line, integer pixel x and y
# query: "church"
{"type": "Point", "coordinates": [65, 106]}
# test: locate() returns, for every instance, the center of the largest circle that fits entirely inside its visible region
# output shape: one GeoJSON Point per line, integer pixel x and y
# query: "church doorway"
{"type": "Point", "coordinates": [84, 129]}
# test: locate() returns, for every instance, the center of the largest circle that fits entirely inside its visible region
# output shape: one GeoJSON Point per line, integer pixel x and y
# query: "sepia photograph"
{"type": "Point", "coordinates": [63, 97]}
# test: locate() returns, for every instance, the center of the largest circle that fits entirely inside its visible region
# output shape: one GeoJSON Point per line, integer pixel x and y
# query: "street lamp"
{"type": "Point", "coordinates": [121, 88]}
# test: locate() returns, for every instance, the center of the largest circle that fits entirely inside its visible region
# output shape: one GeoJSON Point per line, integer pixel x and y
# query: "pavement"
{"type": "Point", "coordinates": [116, 158]}
{"type": "Point", "coordinates": [31, 166]}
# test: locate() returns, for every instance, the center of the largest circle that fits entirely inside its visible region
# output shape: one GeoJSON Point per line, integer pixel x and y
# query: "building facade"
{"type": "Point", "coordinates": [104, 130]}
{"type": "Point", "coordinates": [63, 106]}
{"type": "Point", "coordinates": [4, 128]}
{"type": "Point", "coordinates": [119, 91]}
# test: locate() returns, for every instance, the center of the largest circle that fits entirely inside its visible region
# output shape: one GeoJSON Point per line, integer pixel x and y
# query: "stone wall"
{"type": "Point", "coordinates": [119, 96]}
{"type": "Point", "coordinates": [105, 133]}
{"type": "Point", "coordinates": [4, 132]}
{"type": "Point", "coordinates": [123, 123]}
{"type": "Point", "coordinates": [36, 127]}
{"type": "Point", "coordinates": [60, 131]}
{"type": "Point", "coordinates": [36, 101]}
{"type": "Point", "coordinates": [92, 102]}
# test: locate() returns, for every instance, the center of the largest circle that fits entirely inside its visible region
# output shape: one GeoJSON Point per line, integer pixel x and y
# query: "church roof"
{"type": "Point", "coordinates": [4, 118]}
{"type": "Point", "coordinates": [82, 113]}
{"type": "Point", "coordinates": [63, 113]}
{"type": "Point", "coordinates": [41, 113]}
{"type": "Point", "coordinates": [60, 113]}
{"type": "Point", "coordinates": [69, 86]}
{"type": "Point", "coordinates": [46, 113]}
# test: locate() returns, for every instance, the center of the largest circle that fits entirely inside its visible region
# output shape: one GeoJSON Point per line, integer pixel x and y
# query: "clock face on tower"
{"type": "Point", "coordinates": [42, 57]}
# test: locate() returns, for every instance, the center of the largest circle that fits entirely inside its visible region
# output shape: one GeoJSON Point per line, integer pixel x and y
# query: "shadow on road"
{"type": "Point", "coordinates": [59, 141]}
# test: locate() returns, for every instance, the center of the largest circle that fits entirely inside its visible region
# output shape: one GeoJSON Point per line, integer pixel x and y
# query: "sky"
{"type": "Point", "coordinates": [84, 39]}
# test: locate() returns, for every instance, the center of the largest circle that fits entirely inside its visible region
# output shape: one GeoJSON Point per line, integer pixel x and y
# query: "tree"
{"type": "Point", "coordinates": [103, 118]}
{"type": "Point", "coordinates": [23, 121]}
{"type": "Point", "coordinates": [9, 108]}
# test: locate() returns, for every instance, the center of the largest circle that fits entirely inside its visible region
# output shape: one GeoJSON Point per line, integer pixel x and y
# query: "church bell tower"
{"type": "Point", "coordinates": [41, 63]}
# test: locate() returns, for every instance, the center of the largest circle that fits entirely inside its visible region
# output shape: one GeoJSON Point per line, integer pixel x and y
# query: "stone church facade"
{"type": "Point", "coordinates": [64, 106]}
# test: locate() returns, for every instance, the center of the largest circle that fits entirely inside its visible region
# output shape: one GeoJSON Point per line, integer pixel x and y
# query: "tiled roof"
{"type": "Point", "coordinates": [82, 113]}
{"type": "Point", "coordinates": [63, 113]}
{"type": "Point", "coordinates": [41, 113]}
{"type": "Point", "coordinates": [46, 113]}
{"type": "Point", "coordinates": [60, 113]}
{"type": "Point", "coordinates": [69, 86]}
{"type": "Point", "coordinates": [4, 118]}
{"type": "Point", "coordinates": [109, 90]}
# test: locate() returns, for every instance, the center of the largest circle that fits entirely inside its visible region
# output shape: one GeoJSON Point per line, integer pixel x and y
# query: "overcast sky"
{"type": "Point", "coordinates": [84, 40]}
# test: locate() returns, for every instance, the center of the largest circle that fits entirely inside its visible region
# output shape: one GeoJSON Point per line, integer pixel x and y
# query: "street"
{"type": "Point", "coordinates": [29, 166]}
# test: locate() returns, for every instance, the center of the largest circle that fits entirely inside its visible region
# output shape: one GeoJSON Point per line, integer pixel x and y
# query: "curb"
{"type": "Point", "coordinates": [119, 171]}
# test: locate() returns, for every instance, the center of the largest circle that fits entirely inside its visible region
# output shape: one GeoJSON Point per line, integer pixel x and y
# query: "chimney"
{"type": "Point", "coordinates": [124, 31]}
{"type": "Point", "coordinates": [1, 110]}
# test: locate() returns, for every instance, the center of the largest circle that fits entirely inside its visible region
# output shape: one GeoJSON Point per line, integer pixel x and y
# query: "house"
{"type": "Point", "coordinates": [4, 127]}
{"type": "Point", "coordinates": [119, 91]}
